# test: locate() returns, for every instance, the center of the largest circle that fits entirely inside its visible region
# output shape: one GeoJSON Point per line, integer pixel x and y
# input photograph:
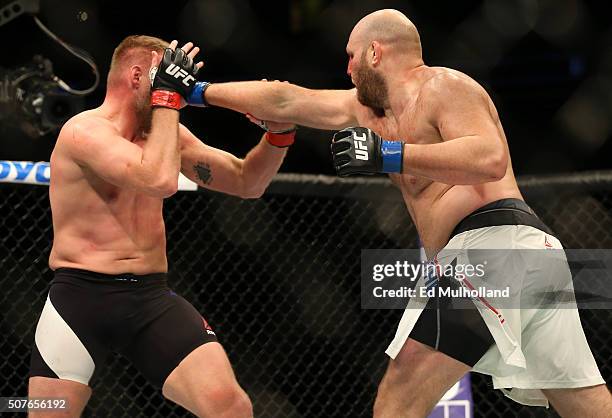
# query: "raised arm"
{"type": "Point", "coordinates": [284, 102]}
{"type": "Point", "coordinates": [221, 171]}
{"type": "Point", "coordinates": [94, 144]}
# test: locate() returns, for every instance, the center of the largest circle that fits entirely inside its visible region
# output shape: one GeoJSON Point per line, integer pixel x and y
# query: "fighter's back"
{"type": "Point", "coordinates": [98, 226]}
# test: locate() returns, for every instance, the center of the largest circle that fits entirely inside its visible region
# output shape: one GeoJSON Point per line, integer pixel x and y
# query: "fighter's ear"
{"type": "Point", "coordinates": [135, 76]}
{"type": "Point", "coordinates": [376, 53]}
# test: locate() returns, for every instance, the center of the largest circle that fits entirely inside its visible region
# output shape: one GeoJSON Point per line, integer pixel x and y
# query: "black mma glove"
{"type": "Point", "coordinates": [359, 150]}
{"type": "Point", "coordinates": [173, 80]}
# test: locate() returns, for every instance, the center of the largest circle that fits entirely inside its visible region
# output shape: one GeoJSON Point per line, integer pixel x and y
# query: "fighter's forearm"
{"type": "Point", "coordinates": [259, 167]}
{"type": "Point", "coordinates": [264, 100]}
{"type": "Point", "coordinates": [285, 102]}
{"type": "Point", "coordinates": [160, 153]}
{"type": "Point", "coordinates": [465, 160]}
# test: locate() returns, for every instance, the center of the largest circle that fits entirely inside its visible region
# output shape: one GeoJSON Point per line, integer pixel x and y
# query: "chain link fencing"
{"type": "Point", "coordinates": [278, 279]}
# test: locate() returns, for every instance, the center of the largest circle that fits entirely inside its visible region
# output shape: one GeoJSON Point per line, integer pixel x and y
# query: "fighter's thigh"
{"type": "Point", "coordinates": [417, 378]}
{"type": "Point", "coordinates": [591, 401]}
{"type": "Point", "coordinates": [74, 393]}
{"type": "Point", "coordinates": [204, 383]}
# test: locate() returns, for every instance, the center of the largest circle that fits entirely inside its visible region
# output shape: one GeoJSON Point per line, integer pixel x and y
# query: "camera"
{"type": "Point", "coordinates": [32, 99]}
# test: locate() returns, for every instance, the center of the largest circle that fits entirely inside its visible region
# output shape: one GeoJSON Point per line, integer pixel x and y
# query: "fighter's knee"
{"type": "Point", "coordinates": [226, 402]}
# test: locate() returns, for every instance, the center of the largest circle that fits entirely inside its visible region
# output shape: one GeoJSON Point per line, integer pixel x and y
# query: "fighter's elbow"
{"type": "Point", "coordinates": [496, 166]}
{"type": "Point", "coordinates": [151, 182]}
{"type": "Point", "coordinates": [289, 102]}
{"type": "Point", "coordinates": [165, 187]}
{"type": "Point", "coordinates": [252, 192]}
{"type": "Point", "coordinates": [170, 190]}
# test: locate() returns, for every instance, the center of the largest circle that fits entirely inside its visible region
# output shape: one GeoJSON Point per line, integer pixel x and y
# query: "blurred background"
{"type": "Point", "coordinates": [546, 64]}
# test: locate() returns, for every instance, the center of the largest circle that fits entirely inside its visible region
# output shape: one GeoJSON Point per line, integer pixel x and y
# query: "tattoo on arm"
{"type": "Point", "coordinates": [203, 172]}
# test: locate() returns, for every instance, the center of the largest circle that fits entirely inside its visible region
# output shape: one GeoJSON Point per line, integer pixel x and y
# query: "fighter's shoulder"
{"type": "Point", "coordinates": [86, 125]}
{"type": "Point", "coordinates": [445, 84]}
{"type": "Point", "coordinates": [83, 134]}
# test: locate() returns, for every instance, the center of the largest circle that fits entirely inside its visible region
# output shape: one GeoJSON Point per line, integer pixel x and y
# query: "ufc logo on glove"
{"type": "Point", "coordinates": [177, 72]}
{"type": "Point", "coordinates": [361, 149]}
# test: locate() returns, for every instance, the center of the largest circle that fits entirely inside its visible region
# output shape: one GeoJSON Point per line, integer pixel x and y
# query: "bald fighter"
{"type": "Point", "coordinates": [111, 169]}
{"type": "Point", "coordinates": [438, 135]}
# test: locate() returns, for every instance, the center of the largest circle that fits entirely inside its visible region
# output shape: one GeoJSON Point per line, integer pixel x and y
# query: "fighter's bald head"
{"type": "Point", "coordinates": [389, 27]}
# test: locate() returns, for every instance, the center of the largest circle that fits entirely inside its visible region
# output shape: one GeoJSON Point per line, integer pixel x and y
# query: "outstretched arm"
{"type": "Point", "coordinates": [284, 102]}
{"type": "Point", "coordinates": [218, 170]}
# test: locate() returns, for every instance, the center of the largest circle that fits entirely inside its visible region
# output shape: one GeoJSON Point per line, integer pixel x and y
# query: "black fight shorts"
{"type": "Point", "coordinates": [87, 315]}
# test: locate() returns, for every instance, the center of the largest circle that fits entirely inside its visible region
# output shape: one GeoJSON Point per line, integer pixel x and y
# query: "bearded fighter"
{"type": "Point", "coordinates": [438, 135]}
{"type": "Point", "coordinates": [111, 169]}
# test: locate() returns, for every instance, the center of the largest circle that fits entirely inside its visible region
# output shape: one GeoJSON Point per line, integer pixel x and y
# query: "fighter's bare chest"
{"type": "Point", "coordinates": [121, 201]}
{"type": "Point", "coordinates": [412, 128]}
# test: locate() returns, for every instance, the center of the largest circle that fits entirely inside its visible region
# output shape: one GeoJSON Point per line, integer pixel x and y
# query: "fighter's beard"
{"type": "Point", "coordinates": [145, 120]}
{"type": "Point", "coordinates": [372, 90]}
{"type": "Point", "coordinates": [144, 116]}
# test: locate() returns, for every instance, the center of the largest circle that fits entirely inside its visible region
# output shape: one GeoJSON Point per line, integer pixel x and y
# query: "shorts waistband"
{"type": "Point", "coordinates": [106, 278]}
{"type": "Point", "coordinates": [501, 212]}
